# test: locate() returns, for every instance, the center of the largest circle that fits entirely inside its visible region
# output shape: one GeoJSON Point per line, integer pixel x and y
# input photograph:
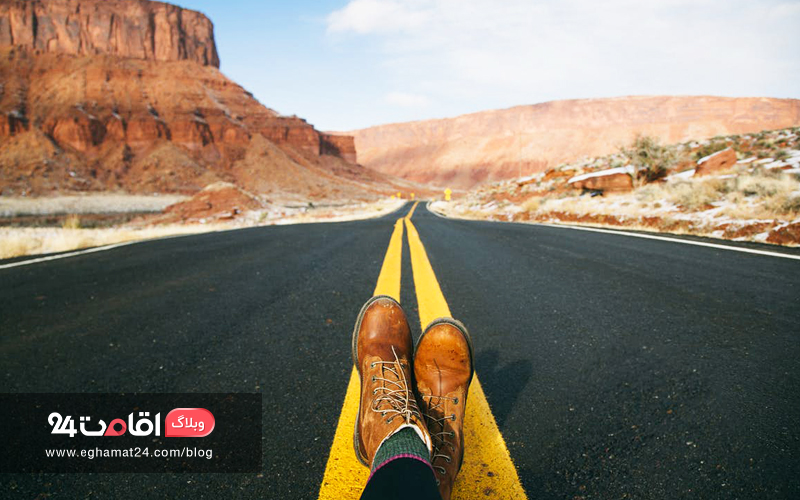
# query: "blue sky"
{"type": "Point", "coordinates": [349, 64]}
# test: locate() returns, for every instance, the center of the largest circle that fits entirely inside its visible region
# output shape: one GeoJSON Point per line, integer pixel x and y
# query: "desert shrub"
{"type": "Point", "coordinates": [709, 149]}
{"type": "Point", "coordinates": [765, 143]}
{"type": "Point", "coordinates": [649, 193]}
{"type": "Point", "coordinates": [695, 195]}
{"type": "Point", "coordinates": [650, 160]}
{"type": "Point", "coordinates": [781, 154]}
{"type": "Point", "coordinates": [766, 185]}
{"type": "Point", "coordinates": [784, 204]}
{"type": "Point", "coordinates": [763, 153]}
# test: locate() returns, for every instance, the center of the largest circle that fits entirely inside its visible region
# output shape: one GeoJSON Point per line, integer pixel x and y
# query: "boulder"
{"type": "Point", "coordinates": [615, 179]}
{"type": "Point", "coordinates": [718, 162]}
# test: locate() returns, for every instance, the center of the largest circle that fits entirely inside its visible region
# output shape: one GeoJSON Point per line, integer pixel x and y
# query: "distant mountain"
{"type": "Point", "coordinates": [125, 95]}
{"type": "Point", "coordinates": [469, 150]}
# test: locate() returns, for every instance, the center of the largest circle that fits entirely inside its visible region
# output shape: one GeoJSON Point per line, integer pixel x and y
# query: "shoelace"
{"type": "Point", "coordinates": [394, 392]}
{"type": "Point", "coordinates": [440, 438]}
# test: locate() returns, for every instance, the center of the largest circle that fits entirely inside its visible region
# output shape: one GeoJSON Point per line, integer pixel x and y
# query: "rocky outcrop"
{"type": "Point", "coordinates": [12, 123]}
{"type": "Point", "coordinates": [218, 201]}
{"type": "Point", "coordinates": [718, 162]}
{"type": "Point", "coordinates": [468, 150]}
{"type": "Point", "coordinates": [100, 95]}
{"type": "Point", "coordinates": [127, 28]}
{"type": "Point", "coordinates": [290, 130]}
{"type": "Point", "coordinates": [161, 127]}
{"type": "Point", "coordinates": [612, 180]}
{"type": "Point", "coordinates": [76, 129]}
{"type": "Point", "coordinates": [343, 146]}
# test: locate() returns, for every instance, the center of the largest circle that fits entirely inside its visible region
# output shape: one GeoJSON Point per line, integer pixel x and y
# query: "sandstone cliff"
{"type": "Point", "coordinates": [128, 28]}
{"type": "Point", "coordinates": [85, 105]}
{"type": "Point", "coordinates": [468, 150]}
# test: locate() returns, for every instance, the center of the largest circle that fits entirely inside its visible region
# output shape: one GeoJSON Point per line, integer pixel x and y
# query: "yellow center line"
{"type": "Point", "coordinates": [411, 212]}
{"type": "Point", "coordinates": [389, 278]}
{"type": "Point", "coordinates": [487, 470]}
{"type": "Point", "coordinates": [345, 477]}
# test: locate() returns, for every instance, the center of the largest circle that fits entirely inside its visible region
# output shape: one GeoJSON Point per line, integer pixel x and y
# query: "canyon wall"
{"type": "Point", "coordinates": [137, 29]}
{"type": "Point", "coordinates": [126, 95]}
{"type": "Point", "coordinates": [340, 145]}
{"type": "Point", "coordinates": [469, 150]}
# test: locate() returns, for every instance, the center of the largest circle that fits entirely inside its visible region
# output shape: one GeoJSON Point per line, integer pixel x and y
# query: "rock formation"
{"type": "Point", "coordinates": [719, 161]}
{"type": "Point", "coordinates": [468, 150]}
{"type": "Point", "coordinates": [126, 95]}
{"type": "Point", "coordinates": [615, 179]}
{"type": "Point", "coordinates": [127, 28]}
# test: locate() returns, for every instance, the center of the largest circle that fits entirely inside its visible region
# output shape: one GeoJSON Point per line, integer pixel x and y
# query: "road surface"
{"type": "Point", "coordinates": [615, 367]}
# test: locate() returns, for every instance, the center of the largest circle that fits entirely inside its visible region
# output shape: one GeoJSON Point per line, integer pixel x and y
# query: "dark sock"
{"type": "Point", "coordinates": [405, 443]}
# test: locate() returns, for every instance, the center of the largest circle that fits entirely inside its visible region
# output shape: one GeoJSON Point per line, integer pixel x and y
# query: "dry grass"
{"type": "Point", "coordinates": [15, 242]}
{"type": "Point", "coordinates": [71, 222]}
{"type": "Point", "coordinates": [533, 204]}
{"type": "Point", "coordinates": [85, 204]}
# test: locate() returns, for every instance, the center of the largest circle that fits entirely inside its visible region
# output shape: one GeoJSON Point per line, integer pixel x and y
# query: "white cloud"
{"type": "Point", "coordinates": [407, 100]}
{"type": "Point", "coordinates": [490, 53]}
{"type": "Point", "coordinates": [378, 16]}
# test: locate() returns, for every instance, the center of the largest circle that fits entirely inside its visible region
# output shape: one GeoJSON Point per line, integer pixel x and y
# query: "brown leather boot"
{"type": "Point", "coordinates": [382, 348]}
{"type": "Point", "coordinates": [443, 371]}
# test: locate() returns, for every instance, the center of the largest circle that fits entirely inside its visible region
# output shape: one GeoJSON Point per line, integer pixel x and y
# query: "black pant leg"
{"type": "Point", "coordinates": [402, 479]}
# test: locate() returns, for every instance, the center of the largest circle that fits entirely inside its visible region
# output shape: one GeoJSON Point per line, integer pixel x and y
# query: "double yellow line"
{"type": "Point", "coordinates": [487, 471]}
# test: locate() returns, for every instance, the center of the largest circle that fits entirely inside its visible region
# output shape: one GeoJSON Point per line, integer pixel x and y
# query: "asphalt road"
{"type": "Point", "coordinates": [616, 367]}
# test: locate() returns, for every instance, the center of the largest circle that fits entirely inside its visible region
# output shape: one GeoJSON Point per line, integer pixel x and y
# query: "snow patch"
{"type": "Point", "coordinates": [602, 173]}
{"type": "Point", "coordinates": [686, 174]}
{"type": "Point", "coordinates": [775, 164]}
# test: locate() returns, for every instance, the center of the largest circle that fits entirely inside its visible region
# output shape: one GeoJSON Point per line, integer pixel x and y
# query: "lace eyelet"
{"type": "Point", "coordinates": [453, 417]}
{"type": "Point", "coordinates": [455, 401]}
{"type": "Point", "coordinates": [372, 365]}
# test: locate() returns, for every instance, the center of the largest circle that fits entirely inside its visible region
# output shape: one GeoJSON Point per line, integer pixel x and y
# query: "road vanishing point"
{"type": "Point", "coordinates": [608, 365]}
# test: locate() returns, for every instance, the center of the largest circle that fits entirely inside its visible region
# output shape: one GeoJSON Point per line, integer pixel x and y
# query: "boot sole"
{"type": "Point", "coordinates": [354, 350]}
